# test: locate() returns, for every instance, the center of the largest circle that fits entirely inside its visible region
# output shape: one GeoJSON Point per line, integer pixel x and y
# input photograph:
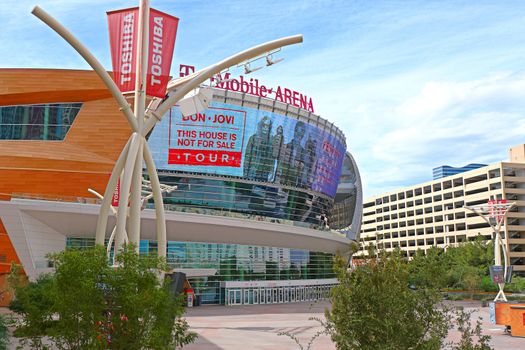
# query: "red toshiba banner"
{"type": "Point", "coordinates": [116, 195]}
{"type": "Point", "coordinates": [115, 198]}
{"type": "Point", "coordinates": [162, 35]}
{"type": "Point", "coordinates": [123, 39]}
{"type": "Point", "coordinates": [123, 32]}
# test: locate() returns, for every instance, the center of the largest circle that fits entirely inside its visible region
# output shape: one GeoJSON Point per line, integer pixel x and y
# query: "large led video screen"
{"type": "Point", "coordinates": [246, 142]}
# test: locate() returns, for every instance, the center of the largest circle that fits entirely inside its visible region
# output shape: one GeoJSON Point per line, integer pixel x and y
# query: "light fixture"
{"type": "Point", "coordinates": [248, 70]}
{"type": "Point", "coordinates": [270, 61]}
{"type": "Point", "coordinates": [196, 101]}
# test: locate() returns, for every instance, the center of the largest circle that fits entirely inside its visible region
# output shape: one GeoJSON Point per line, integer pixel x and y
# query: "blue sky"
{"type": "Point", "coordinates": [413, 84]}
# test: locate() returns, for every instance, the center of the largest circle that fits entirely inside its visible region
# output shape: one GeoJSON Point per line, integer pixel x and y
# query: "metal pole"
{"type": "Point", "coordinates": [497, 248]}
{"type": "Point", "coordinates": [504, 241]}
{"type": "Point", "coordinates": [497, 261]}
{"type": "Point", "coordinates": [139, 109]}
{"type": "Point", "coordinates": [498, 244]}
{"type": "Point", "coordinates": [135, 198]}
{"type": "Point", "coordinates": [103, 215]}
{"type": "Point", "coordinates": [159, 204]}
{"type": "Point", "coordinates": [125, 186]}
{"type": "Point", "coordinates": [130, 158]}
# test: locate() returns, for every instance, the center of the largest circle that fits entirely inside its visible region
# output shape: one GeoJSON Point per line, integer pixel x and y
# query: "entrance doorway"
{"type": "Point", "coordinates": [234, 297]}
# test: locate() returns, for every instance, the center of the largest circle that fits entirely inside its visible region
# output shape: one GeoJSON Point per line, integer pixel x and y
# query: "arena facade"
{"type": "Point", "coordinates": [266, 194]}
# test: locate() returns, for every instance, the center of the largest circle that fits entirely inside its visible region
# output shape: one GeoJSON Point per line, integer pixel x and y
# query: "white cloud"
{"type": "Point", "coordinates": [412, 86]}
{"type": "Point", "coordinates": [452, 123]}
{"type": "Point", "coordinates": [438, 98]}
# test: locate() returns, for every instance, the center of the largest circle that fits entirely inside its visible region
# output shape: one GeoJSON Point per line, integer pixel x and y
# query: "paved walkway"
{"type": "Point", "coordinates": [256, 327]}
{"type": "Point", "coordinates": [500, 340]}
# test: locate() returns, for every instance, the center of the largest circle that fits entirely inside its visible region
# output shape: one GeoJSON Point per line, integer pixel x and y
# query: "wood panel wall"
{"type": "Point", "coordinates": [84, 159]}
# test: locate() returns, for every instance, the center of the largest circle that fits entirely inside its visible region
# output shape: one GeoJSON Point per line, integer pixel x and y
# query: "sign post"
{"type": "Point", "coordinates": [142, 42]}
{"type": "Point", "coordinates": [494, 214]}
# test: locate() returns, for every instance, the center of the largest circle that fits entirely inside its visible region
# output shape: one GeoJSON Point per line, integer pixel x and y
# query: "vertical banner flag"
{"type": "Point", "coordinates": [116, 195]}
{"type": "Point", "coordinates": [123, 32]}
{"type": "Point", "coordinates": [115, 198]}
{"type": "Point", "coordinates": [162, 35]}
{"type": "Point", "coordinates": [123, 39]}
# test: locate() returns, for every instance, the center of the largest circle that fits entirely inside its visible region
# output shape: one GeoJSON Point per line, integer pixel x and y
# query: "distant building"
{"type": "Point", "coordinates": [446, 170]}
{"type": "Point", "coordinates": [432, 213]}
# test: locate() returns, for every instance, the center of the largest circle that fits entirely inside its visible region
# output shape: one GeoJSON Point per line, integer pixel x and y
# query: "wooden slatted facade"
{"type": "Point", "coordinates": [84, 158]}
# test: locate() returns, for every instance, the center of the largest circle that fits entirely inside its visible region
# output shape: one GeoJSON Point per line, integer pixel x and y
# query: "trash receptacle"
{"type": "Point", "coordinates": [517, 320]}
{"type": "Point", "coordinates": [190, 298]}
{"type": "Point", "coordinates": [198, 300]}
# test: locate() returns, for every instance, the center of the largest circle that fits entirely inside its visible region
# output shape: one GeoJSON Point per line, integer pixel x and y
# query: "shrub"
{"type": "Point", "coordinates": [374, 308]}
{"type": "Point", "coordinates": [487, 285]}
{"type": "Point", "coordinates": [517, 285]}
{"type": "Point", "coordinates": [472, 338]}
{"type": "Point", "coordinates": [87, 304]}
{"type": "Point", "coordinates": [430, 269]}
{"type": "Point", "coordinates": [4, 333]}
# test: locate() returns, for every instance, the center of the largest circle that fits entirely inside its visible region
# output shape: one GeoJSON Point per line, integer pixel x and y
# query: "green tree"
{"type": "Point", "coordinates": [461, 267]}
{"type": "Point", "coordinates": [468, 263]}
{"type": "Point", "coordinates": [374, 308]}
{"type": "Point", "coordinates": [33, 305]}
{"type": "Point", "coordinates": [430, 269]}
{"type": "Point", "coordinates": [87, 304]}
{"type": "Point", "coordinates": [517, 285]}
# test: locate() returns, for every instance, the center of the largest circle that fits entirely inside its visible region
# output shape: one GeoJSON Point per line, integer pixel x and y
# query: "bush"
{"type": "Point", "coordinates": [517, 285]}
{"type": "Point", "coordinates": [430, 269]}
{"type": "Point", "coordinates": [374, 308]}
{"type": "Point", "coordinates": [518, 298]}
{"type": "Point", "coordinates": [87, 304]}
{"type": "Point", "coordinates": [4, 333]}
{"type": "Point", "coordinates": [487, 285]}
{"type": "Point", "coordinates": [472, 338]}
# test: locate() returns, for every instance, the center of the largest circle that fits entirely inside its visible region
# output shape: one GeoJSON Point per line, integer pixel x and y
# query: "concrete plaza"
{"type": "Point", "coordinates": [256, 327]}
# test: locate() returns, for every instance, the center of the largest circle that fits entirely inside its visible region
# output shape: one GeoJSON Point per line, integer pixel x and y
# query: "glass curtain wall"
{"type": "Point", "coordinates": [37, 122]}
{"type": "Point", "coordinates": [260, 201]}
{"type": "Point", "coordinates": [234, 262]}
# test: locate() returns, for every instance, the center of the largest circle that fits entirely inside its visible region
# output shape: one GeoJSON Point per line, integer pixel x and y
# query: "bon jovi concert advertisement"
{"type": "Point", "coordinates": [249, 143]}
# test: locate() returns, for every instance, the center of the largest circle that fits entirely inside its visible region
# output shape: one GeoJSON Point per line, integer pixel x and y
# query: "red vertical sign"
{"type": "Point", "coordinates": [501, 209]}
{"type": "Point", "coordinates": [123, 38]}
{"type": "Point", "coordinates": [162, 35]}
{"type": "Point", "coordinates": [492, 212]}
{"type": "Point", "coordinates": [116, 195]}
{"type": "Point", "coordinates": [123, 32]}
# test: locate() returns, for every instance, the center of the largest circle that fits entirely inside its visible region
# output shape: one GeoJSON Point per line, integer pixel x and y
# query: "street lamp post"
{"type": "Point", "coordinates": [497, 210]}
{"type": "Point", "coordinates": [128, 166]}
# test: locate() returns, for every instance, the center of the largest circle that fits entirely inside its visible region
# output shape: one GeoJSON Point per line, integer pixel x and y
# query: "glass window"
{"type": "Point", "coordinates": [233, 262]}
{"type": "Point", "coordinates": [37, 122]}
{"type": "Point", "coordinates": [251, 201]}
